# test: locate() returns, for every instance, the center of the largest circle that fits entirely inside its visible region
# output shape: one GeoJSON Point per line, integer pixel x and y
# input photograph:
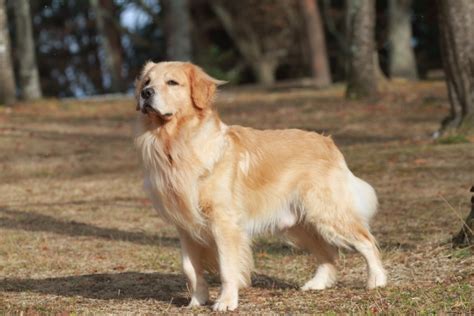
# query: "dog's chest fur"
{"type": "Point", "coordinates": [174, 166]}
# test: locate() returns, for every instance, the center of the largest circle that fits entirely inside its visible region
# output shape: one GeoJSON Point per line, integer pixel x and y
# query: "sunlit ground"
{"type": "Point", "coordinates": [78, 234]}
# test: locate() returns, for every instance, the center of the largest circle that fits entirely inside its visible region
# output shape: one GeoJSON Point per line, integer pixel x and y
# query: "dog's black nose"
{"type": "Point", "coordinates": [147, 93]}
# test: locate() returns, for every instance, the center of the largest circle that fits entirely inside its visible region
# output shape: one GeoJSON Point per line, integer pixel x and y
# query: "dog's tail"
{"type": "Point", "coordinates": [364, 198]}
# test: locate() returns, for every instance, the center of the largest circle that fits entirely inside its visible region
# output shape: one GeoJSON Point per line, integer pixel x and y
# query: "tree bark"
{"type": "Point", "coordinates": [113, 31]}
{"type": "Point", "coordinates": [263, 67]}
{"type": "Point", "coordinates": [465, 237]}
{"type": "Point", "coordinates": [317, 42]}
{"type": "Point", "coordinates": [380, 77]}
{"type": "Point", "coordinates": [30, 88]}
{"type": "Point", "coordinates": [456, 21]}
{"type": "Point", "coordinates": [111, 58]}
{"type": "Point", "coordinates": [262, 43]}
{"type": "Point", "coordinates": [7, 78]}
{"type": "Point", "coordinates": [362, 78]}
{"type": "Point", "coordinates": [265, 71]}
{"type": "Point", "coordinates": [402, 63]}
{"type": "Point", "coordinates": [178, 30]}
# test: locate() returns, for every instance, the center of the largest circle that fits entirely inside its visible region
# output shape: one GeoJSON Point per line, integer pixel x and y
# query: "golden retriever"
{"type": "Point", "coordinates": [221, 185]}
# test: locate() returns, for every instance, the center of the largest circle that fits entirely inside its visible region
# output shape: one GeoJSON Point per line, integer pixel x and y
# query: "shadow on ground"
{"type": "Point", "coordinates": [34, 222]}
{"type": "Point", "coordinates": [30, 221]}
{"type": "Point", "coordinates": [127, 285]}
{"type": "Point", "coordinates": [166, 287]}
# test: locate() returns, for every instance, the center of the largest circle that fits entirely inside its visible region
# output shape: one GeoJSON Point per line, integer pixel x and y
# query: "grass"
{"type": "Point", "coordinates": [453, 139]}
{"type": "Point", "coordinates": [77, 234]}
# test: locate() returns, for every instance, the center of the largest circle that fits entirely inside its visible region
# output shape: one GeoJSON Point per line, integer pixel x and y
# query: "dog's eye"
{"type": "Point", "coordinates": [147, 82]}
{"type": "Point", "coordinates": [172, 83]}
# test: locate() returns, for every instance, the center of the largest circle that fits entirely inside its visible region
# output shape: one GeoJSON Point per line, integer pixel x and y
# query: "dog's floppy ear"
{"type": "Point", "coordinates": [148, 65]}
{"type": "Point", "coordinates": [203, 87]}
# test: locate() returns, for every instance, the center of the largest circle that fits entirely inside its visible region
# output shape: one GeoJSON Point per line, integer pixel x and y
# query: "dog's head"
{"type": "Point", "coordinates": [170, 89]}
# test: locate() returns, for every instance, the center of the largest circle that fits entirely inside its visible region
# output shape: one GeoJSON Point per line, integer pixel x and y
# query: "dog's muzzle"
{"type": "Point", "coordinates": [148, 109]}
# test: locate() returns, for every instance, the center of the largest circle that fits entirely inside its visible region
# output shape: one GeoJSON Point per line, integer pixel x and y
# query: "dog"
{"type": "Point", "coordinates": [221, 185]}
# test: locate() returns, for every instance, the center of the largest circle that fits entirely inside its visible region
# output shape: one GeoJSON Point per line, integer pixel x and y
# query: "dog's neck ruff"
{"type": "Point", "coordinates": [176, 159]}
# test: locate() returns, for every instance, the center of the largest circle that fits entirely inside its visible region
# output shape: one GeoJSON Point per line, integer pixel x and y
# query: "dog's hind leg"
{"type": "Point", "coordinates": [338, 220]}
{"type": "Point", "coordinates": [367, 247]}
{"type": "Point", "coordinates": [349, 232]}
{"type": "Point", "coordinates": [308, 238]}
{"type": "Point", "coordinates": [192, 262]}
{"type": "Point", "coordinates": [357, 236]}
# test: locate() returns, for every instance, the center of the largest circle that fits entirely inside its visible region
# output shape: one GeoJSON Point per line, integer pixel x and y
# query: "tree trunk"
{"type": "Point", "coordinates": [30, 88]}
{"type": "Point", "coordinates": [113, 32]}
{"type": "Point", "coordinates": [362, 79]}
{"type": "Point", "coordinates": [265, 70]}
{"type": "Point", "coordinates": [263, 67]}
{"type": "Point", "coordinates": [178, 30]}
{"type": "Point", "coordinates": [402, 63]}
{"type": "Point", "coordinates": [112, 65]}
{"type": "Point", "coordinates": [317, 42]}
{"type": "Point", "coordinates": [7, 78]}
{"type": "Point", "coordinates": [262, 51]}
{"type": "Point", "coordinates": [456, 21]}
{"type": "Point", "coordinates": [465, 237]}
{"type": "Point", "coordinates": [380, 77]}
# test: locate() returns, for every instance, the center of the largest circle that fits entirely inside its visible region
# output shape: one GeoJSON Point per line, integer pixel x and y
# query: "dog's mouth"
{"type": "Point", "coordinates": [148, 109]}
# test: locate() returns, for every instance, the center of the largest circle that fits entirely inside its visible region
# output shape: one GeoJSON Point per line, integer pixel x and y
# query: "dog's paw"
{"type": "Point", "coordinates": [325, 278]}
{"type": "Point", "coordinates": [199, 299]}
{"type": "Point", "coordinates": [225, 304]}
{"type": "Point", "coordinates": [195, 303]}
{"type": "Point", "coordinates": [317, 284]}
{"type": "Point", "coordinates": [311, 285]}
{"type": "Point", "coordinates": [378, 279]}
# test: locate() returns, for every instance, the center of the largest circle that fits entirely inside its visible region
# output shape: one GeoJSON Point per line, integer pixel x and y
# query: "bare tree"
{"type": "Point", "coordinates": [7, 78]}
{"type": "Point", "coordinates": [317, 42]}
{"type": "Point", "coordinates": [402, 61]}
{"type": "Point", "coordinates": [30, 88]}
{"type": "Point", "coordinates": [111, 53]}
{"type": "Point", "coordinates": [261, 31]}
{"type": "Point", "coordinates": [360, 24]}
{"type": "Point", "coordinates": [177, 30]}
{"type": "Point", "coordinates": [113, 31]}
{"type": "Point", "coordinates": [456, 20]}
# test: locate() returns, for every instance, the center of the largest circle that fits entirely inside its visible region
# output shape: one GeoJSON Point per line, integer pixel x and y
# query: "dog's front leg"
{"type": "Point", "coordinates": [235, 262]}
{"type": "Point", "coordinates": [192, 253]}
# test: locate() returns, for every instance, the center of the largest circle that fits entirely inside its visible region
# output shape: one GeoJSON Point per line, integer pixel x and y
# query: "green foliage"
{"type": "Point", "coordinates": [462, 253]}
{"type": "Point", "coordinates": [453, 139]}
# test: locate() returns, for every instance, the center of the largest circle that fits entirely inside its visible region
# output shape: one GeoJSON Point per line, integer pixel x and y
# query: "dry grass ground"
{"type": "Point", "coordinates": [78, 235]}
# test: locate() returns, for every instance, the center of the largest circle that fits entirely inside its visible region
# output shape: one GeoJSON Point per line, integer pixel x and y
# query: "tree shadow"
{"type": "Point", "coordinates": [52, 135]}
{"type": "Point", "coordinates": [34, 222]}
{"type": "Point", "coordinates": [165, 287]}
{"type": "Point", "coordinates": [263, 281]}
{"type": "Point", "coordinates": [30, 221]}
{"type": "Point", "coordinates": [345, 139]}
{"type": "Point", "coordinates": [352, 138]}
{"type": "Point", "coordinates": [116, 201]}
{"type": "Point", "coordinates": [277, 247]}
